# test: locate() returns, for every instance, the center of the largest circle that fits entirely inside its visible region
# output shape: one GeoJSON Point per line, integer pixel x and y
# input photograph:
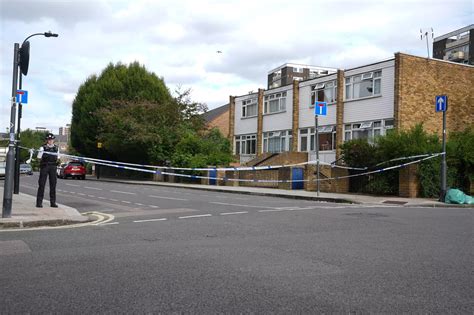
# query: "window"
{"type": "Point", "coordinates": [277, 141]}
{"type": "Point", "coordinates": [363, 85]}
{"type": "Point", "coordinates": [326, 135]}
{"type": "Point", "coordinates": [274, 103]}
{"type": "Point", "coordinates": [249, 108]}
{"type": "Point", "coordinates": [324, 92]}
{"type": "Point", "coordinates": [299, 70]}
{"type": "Point", "coordinates": [246, 144]}
{"type": "Point", "coordinates": [367, 130]}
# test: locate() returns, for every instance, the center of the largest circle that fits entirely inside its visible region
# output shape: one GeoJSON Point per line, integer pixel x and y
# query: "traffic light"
{"type": "Point", "coordinates": [24, 57]}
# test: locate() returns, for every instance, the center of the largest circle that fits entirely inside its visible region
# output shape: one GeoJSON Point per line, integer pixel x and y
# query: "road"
{"type": "Point", "coordinates": [173, 250]}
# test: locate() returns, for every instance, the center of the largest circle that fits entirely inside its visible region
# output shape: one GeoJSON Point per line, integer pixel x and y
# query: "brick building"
{"type": "Point", "coordinates": [218, 118]}
{"type": "Point", "coordinates": [363, 102]}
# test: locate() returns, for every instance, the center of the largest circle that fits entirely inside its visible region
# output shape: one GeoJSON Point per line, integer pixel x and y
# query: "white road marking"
{"type": "Point", "coordinates": [153, 206]}
{"type": "Point", "coordinates": [91, 196]}
{"type": "Point", "coordinates": [123, 192]}
{"type": "Point", "coordinates": [139, 204]}
{"type": "Point", "coordinates": [272, 210]}
{"type": "Point", "coordinates": [240, 205]}
{"type": "Point", "coordinates": [196, 216]}
{"type": "Point", "coordinates": [73, 185]}
{"type": "Point", "coordinates": [71, 192]}
{"type": "Point", "coordinates": [81, 194]}
{"type": "Point", "coordinates": [170, 198]}
{"type": "Point", "coordinates": [230, 213]}
{"type": "Point", "coordinates": [124, 201]}
{"type": "Point", "coordinates": [113, 199]}
{"type": "Point", "coordinates": [150, 220]}
{"type": "Point", "coordinates": [112, 223]}
{"type": "Point", "coordinates": [92, 188]}
{"type": "Point", "coordinates": [101, 197]}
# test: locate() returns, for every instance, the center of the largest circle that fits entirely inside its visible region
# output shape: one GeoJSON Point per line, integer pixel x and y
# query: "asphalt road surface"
{"type": "Point", "coordinates": [173, 250]}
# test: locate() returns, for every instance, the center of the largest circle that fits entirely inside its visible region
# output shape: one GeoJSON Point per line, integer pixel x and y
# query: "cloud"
{"type": "Point", "coordinates": [178, 40]}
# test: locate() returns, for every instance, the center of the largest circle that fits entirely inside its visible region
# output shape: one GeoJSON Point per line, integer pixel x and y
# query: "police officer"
{"type": "Point", "coordinates": [47, 167]}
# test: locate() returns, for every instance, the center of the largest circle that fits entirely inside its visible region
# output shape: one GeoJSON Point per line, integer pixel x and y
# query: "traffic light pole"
{"type": "Point", "coordinates": [16, 185]}
{"type": "Point", "coordinates": [10, 167]}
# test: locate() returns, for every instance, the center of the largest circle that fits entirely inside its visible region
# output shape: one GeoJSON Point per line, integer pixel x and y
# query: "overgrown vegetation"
{"type": "Point", "coordinates": [416, 141]}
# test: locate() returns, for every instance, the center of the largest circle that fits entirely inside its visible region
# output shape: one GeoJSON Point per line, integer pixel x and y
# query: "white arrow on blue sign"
{"type": "Point", "coordinates": [441, 103]}
{"type": "Point", "coordinates": [22, 96]}
{"type": "Point", "coordinates": [320, 108]}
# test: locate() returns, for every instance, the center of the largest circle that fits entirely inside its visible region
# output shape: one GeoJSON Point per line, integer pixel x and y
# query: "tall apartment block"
{"type": "Point", "coordinates": [456, 46]}
{"type": "Point", "coordinates": [286, 73]}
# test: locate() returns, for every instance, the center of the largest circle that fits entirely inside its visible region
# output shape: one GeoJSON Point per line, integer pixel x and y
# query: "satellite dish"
{"type": "Point", "coordinates": [24, 57]}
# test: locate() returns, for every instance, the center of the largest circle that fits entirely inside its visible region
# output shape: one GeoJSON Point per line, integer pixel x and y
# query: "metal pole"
{"type": "Point", "coordinates": [9, 170]}
{"type": "Point", "coordinates": [443, 161]}
{"type": "Point", "coordinates": [16, 185]}
{"type": "Point", "coordinates": [316, 135]}
{"type": "Point", "coordinates": [427, 45]}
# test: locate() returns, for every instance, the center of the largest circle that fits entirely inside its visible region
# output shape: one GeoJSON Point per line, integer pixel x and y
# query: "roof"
{"type": "Point", "coordinates": [454, 33]}
{"type": "Point", "coordinates": [214, 113]}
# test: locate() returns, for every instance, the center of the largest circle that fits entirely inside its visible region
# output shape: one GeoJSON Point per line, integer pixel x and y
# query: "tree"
{"type": "Point", "coordinates": [132, 83]}
{"type": "Point", "coordinates": [210, 148]}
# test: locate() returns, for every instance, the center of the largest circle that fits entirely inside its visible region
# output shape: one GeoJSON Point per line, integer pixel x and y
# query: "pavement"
{"type": "Point", "coordinates": [25, 213]}
{"type": "Point", "coordinates": [302, 194]}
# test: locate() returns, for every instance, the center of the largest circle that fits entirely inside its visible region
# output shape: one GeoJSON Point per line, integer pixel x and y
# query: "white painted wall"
{"type": "Point", "coordinates": [306, 115]}
{"type": "Point", "coordinates": [283, 120]}
{"type": "Point", "coordinates": [378, 107]}
{"type": "Point", "coordinates": [244, 126]}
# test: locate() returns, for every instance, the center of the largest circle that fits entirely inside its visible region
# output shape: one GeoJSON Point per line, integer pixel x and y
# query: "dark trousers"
{"type": "Point", "coordinates": [44, 172]}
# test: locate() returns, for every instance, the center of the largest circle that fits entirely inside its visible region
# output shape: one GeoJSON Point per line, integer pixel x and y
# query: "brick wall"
{"type": "Point", "coordinates": [417, 82]}
{"type": "Point", "coordinates": [260, 122]}
{"type": "Point", "coordinates": [221, 122]}
{"type": "Point", "coordinates": [339, 112]}
{"type": "Point", "coordinates": [334, 186]}
{"type": "Point", "coordinates": [231, 119]}
{"type": "Point", "coordinates": [296, 115]}
{"type": "Point", "coordinates": [409, 185]}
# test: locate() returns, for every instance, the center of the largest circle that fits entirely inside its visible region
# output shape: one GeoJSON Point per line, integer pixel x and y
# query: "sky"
{"type": "Point", "coordinates": [179, 39]}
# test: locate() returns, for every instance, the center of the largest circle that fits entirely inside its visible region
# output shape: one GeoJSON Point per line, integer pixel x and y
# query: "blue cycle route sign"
{"type": "Point", "coordinates": [22, 96]}
{"type": "Point", "coordinates": [441, 103]}
{"type": "Point", "coordinates": [321, 108]}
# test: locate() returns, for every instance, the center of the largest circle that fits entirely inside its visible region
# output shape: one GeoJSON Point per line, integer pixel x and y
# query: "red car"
{"type": "Point", "coordinates": [72, 169]}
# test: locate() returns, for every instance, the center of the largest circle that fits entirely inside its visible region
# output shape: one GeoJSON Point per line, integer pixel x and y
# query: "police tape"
{"type": "Point", "coordinates": [241, 168]}
{"type": "Point", "coordinates": [120, 165]}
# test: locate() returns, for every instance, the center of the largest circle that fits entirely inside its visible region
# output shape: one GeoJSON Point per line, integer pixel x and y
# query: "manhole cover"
{"type": "Point", "coordinates": [367, 215]}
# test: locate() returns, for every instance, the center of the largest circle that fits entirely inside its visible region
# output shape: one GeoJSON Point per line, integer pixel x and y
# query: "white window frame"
{"type": "Point", "coordinates": [309, 134]}
{"type": "Point", "coordinates": [374, 128]}
{"type": "Point", "coordinates": [283, 136]}
{"type": "Point", "coordinates": [245, 141]}
{"type": "Point", "coordinates": [249, 103]}
{"type": "Point", "coordinates": [324, 86]}
{"type": "Point", "coordinates": [374, 76]}
{"type": "Point", "coordinates": [280, 97]}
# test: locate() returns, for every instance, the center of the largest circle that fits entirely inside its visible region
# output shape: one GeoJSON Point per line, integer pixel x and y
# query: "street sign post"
{"type": "Point", "coordinates": [441, 105]}
{"type": "Point", "coordinates": [320, 109]}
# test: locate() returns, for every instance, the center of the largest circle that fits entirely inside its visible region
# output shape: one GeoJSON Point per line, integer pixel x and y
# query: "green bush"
{"type": "Point", "coordinates": [416, 141]}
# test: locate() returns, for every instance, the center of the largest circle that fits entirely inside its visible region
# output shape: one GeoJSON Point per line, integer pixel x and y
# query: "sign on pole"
{"type": "Point", "coordinates": [441, 103]}
{"type": "Point", "coordinates": [99, 145]}
{"type": "Point", "coordinates": [22, 96]}
{"type": "Point", "coordinates": [320, 108]}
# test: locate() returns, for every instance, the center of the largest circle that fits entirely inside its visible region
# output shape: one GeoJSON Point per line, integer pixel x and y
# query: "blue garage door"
{"type": "Point", "coordinates": [297, 174]}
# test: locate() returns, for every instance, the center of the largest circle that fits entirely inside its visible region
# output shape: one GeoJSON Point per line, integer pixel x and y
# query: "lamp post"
{"type": "Point", "coordinates": [21, 58]}
{"type": "Point", "coordinates": [23, 63]}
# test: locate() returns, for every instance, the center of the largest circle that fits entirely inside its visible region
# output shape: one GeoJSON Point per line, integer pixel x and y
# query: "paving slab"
{"type": "Point", "coordinates": [25, 214]}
